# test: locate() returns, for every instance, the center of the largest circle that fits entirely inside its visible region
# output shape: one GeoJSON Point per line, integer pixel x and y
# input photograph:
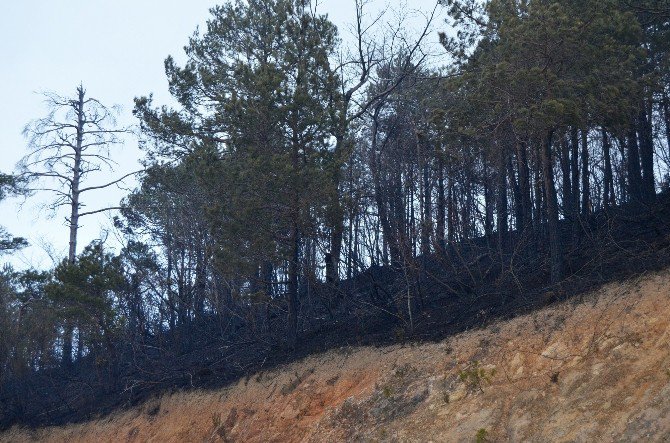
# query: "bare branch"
{"type": "Point", "coordinates": [119, 180]}
{"type": "Point", "coordinates": [97, 211]}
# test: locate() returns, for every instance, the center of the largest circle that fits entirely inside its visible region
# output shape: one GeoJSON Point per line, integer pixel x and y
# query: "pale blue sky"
{"type": "Point", "coordinates": [116, 48]}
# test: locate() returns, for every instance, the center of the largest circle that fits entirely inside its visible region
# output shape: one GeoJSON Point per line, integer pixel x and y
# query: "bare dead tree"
{"type": "Point", "coordinates": [71, 143]}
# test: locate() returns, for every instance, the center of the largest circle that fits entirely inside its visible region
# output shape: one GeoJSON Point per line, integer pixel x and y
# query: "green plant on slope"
{"type": "Point", "coordinates": [482, 436]}
{"type": "Point", "coordinates": [475, 376]}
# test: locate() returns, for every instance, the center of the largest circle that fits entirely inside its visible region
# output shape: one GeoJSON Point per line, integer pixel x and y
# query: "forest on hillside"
{"type": "Point", "coordinates": [303, 193]}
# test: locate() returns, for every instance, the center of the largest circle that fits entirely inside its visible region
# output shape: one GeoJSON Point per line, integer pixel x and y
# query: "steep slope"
{"type": "Point", "coordinates": [597, 370]}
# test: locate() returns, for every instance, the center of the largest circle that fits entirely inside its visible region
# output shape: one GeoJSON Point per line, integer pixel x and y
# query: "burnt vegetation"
{"type": "Point", "coordinates": [300, 199]}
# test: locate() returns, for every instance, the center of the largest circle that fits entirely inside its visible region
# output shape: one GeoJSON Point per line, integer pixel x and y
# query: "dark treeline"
{"type": "Point", "coordinates": [290, 175]}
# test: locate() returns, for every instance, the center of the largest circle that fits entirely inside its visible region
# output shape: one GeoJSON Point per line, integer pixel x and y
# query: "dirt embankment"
{"type": "Point", "coordinates": [598, 370]}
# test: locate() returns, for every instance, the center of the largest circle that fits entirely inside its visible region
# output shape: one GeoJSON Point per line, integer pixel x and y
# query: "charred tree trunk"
{"type": "Point", "coordinates": [566, 180]}
{"type": "Point", "coordinates": [268, 279]}
{"type": "Point", "coordinates": [634, 175]}
{"type": "Point", "coordinates": [332, 257]}
{"type": "Point", "coordinates": [385, 198]}
{"type": "Point", "coordinates": [524, 187]}
{"type": "Point", "coordinates": [293, 267]}
{"type": "Point", "coordinates": [427, 216]}
{"type": "Point", "coordinates": [538, 190]}
{"type": "Point", "coordinates": [501, 199]}
{"type": "Point", "coordinates": [608, 192]}
{"type": "Point", "coordinates": [516, 193]}
{"type": "Point", "coordinates": [451, 209]}
{"type": "Point", "coordinates": [586, 186]}
{"type": "Point", "coordinates": [574, 170]}
{"type": "Point", "coordinates": [200, 285]}
{"type": "Point", "coordinates": [555, 245]}
{"type": "Point", "coordinates": [441, 206]}
{"type": "Point", "coordinates": [646, 143]}
{"type": "Point", "coordinates": [489, 201]}
{"type": "Point", "coordinates": [665, 103]}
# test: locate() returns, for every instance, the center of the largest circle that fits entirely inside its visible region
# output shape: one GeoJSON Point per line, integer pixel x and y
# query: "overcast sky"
{"type": "Point", "coordinates": [116, 49]}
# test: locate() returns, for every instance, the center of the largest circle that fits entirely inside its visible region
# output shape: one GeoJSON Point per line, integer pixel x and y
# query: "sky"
{"type": "Point", "coordinates": [116, 49]}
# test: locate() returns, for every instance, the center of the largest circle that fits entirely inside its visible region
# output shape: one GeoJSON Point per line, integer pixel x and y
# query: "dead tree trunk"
{"type": "Point", "coordinates": [76, 177]}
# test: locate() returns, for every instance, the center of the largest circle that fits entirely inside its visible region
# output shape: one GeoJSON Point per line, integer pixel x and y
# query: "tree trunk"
{"type": "Point", "coordinates": [168, 281]}
{"type": "Point", "coordinates": [501, 199]}
{"type": "Point", "coordinates": [427, 216]}
{"type": "Point", "coordinates": [76, 177]}
{"type": "Point", "coordinates": [410, 232]}
{"type": "Point", "coordinates": [665, 103]}
{"type": "Point", "coordinates": [586, 187]}
{"type": "Point", "coordinates": [332, 257]}
{"type": "Point", "coordinates": [538, 190]}
{"type": "Point", "coordinates": [451, 208]}
{"type": "Point", "coordinates": [68, 333]}
{"type": "Point", "coordinates": [489, 201]}
{"type": "Point", "coordinates": [566, 182]}
{"type": "Point", "coordinates": [524, 186]}
{"type": "Point", "coordinates": [574, 170]}
{"type": "Point", "coordinates": [608, 194]}
{"type": "Point", "coordinates": [646, 139]}
{"type": "Point", "coordinates": [68, 337]}
{"type": "Point", "coordinates": [200, 285]}
{"type": "Point", "coordinates": [267, 276]}
{"type": "Point", "coordinates": [516, 193]}
{"type": "Point", "coordinates": [552, 210]}
{"type": "Point", "coordinates": [293, 288]}
{"type": "Point", "coordinates": [398, 221]}
{"type": "Point", "coordinates": [441, 206]}
{"type": "Point", "coordinates": [384, 198]}
{"type": "Point", "coordinates": [633, 167]}
{"type": "Point", "coordinates": [350, 249]}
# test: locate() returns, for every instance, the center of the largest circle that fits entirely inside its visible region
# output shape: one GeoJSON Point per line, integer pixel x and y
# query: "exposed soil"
{"type": "Point", "coordinates": [595, 370]}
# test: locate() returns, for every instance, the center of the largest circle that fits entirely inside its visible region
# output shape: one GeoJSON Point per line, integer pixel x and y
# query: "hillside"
{"type": "Point", "coordinates": [576, 371]}
{"type": "Point", "coordinates": [341, 221]}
